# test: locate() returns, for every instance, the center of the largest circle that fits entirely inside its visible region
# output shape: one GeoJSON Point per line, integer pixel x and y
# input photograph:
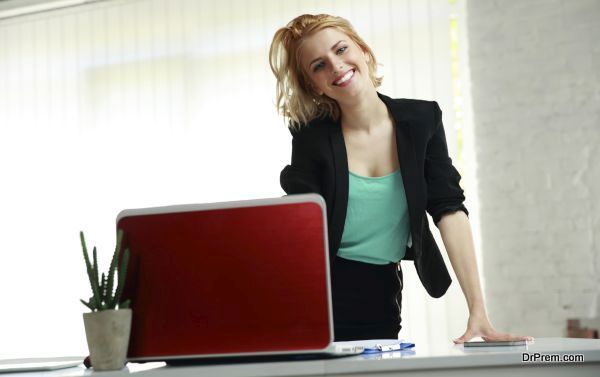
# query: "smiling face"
{"type": "Point", "coordinates": [335, 65]}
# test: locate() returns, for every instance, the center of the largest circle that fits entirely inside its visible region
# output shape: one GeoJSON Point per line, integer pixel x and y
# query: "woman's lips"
{"type": "Point", "coordinates": [345, 79]}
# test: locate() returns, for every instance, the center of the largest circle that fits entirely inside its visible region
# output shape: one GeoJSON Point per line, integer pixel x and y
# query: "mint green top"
{"type": "Point", "coordinates": [377, 226]}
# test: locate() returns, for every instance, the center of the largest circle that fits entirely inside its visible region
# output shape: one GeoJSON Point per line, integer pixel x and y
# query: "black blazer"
{"type": "Point", "coordinates": [320, 165]}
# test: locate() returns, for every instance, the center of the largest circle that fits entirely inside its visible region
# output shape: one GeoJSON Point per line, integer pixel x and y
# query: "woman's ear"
{"type": "Point", "coordinates": [314, 89]}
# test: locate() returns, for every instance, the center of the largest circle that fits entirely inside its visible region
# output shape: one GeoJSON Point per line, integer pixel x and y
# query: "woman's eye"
{"type": "Point", "coordinates": [318, 66]}
{"type": "Point", "coordinates": [341, 50]}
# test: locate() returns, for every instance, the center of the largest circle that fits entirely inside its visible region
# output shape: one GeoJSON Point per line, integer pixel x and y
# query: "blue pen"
{"type": "Point", "coordinates": [389, 347]}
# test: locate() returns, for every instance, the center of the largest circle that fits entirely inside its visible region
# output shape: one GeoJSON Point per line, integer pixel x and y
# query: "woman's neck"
{"type": "Point", "coordinates": [364, 114]}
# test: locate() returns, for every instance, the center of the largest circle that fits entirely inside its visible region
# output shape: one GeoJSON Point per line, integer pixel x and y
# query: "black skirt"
{"type": "Point", "coordinates": [367, 300]}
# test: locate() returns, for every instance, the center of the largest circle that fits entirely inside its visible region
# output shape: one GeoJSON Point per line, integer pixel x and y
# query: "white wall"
{"type": "Point", "coordinates": [536, 96]}
{"type": "Point", "coordinates": [135, 103]}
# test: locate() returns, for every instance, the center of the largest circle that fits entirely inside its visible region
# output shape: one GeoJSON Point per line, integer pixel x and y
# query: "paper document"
{"type": "Point", "coordinates": [45, 364]}
{"type": "Point", "coordinates": [379, 345]}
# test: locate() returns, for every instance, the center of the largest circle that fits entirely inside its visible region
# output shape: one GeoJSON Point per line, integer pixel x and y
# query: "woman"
{"type": "Point", "coordinates": [380, 164]}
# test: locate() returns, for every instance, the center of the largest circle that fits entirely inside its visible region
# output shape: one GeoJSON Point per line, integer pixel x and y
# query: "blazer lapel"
{"type": "Point", "coordinates": [340, 197]}
{"type": "Point", "coordinates": [408, 164]}
{"type": "Point", "coordinates": [408, 168]}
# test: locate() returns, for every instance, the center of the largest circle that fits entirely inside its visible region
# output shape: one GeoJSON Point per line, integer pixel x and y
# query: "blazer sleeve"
{"type": "Point", "coordinates": [444, 194]}
{"type": "Point", "coordinates": [301, 176]}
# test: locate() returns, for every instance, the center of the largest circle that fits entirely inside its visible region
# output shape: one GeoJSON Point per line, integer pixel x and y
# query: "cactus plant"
{"type": "Point", "coordinates": [104, 296]}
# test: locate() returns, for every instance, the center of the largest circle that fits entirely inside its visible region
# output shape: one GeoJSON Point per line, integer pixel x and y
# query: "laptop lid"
{"type": "Point", "coordinates": [237, 278]}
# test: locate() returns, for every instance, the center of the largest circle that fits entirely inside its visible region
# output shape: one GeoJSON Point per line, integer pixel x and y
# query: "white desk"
{"type": "Point", "coordinates": [422, 361]}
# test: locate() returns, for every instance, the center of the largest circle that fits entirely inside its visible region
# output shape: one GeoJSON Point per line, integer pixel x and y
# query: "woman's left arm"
{"type": "Point", "coordinates": [458, 240]}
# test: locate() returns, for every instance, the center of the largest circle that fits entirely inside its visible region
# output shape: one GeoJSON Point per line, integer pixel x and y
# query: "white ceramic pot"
{"type": "Point", "coordinates": [107, 334]}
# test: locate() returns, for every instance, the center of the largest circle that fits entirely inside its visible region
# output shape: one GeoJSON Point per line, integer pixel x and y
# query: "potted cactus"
{"type": "Point", "coordinates": [108, 325]}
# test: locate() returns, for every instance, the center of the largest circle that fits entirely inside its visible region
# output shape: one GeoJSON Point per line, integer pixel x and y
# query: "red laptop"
{"type": "Point", "coordinates": [244, 278]}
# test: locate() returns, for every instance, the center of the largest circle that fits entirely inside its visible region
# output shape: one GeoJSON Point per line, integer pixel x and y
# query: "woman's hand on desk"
{"type": "Point", "coordinates": [458, 239]}
{"type": "Point", "coordinates": [479, 325]}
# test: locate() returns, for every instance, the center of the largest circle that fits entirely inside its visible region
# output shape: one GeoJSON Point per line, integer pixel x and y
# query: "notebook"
{"type": "Point", "coordinates": [231, 279]}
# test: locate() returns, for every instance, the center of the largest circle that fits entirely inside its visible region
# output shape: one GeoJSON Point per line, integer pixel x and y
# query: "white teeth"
{"type": "Point", "coordinates": [346, 77]}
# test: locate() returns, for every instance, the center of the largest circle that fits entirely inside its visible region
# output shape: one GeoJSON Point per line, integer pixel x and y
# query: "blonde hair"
{"type": "Point", "coordinates": [296, 100]}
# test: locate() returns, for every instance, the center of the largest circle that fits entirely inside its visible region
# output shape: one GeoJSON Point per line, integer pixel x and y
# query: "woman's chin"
{"type": "Point", "coordinates": [350, 93]}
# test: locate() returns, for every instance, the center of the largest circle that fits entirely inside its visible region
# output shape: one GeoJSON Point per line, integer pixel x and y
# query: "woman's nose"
{"type": "Point", "coordinates": [337, 65]}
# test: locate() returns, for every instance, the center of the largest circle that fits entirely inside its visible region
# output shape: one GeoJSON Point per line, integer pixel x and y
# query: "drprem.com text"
{"type": "Point", "coordinates": [551, 358]}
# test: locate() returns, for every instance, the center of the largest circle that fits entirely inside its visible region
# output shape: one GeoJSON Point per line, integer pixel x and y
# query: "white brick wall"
{"type": "Point", "coordinates": [535, 74]}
